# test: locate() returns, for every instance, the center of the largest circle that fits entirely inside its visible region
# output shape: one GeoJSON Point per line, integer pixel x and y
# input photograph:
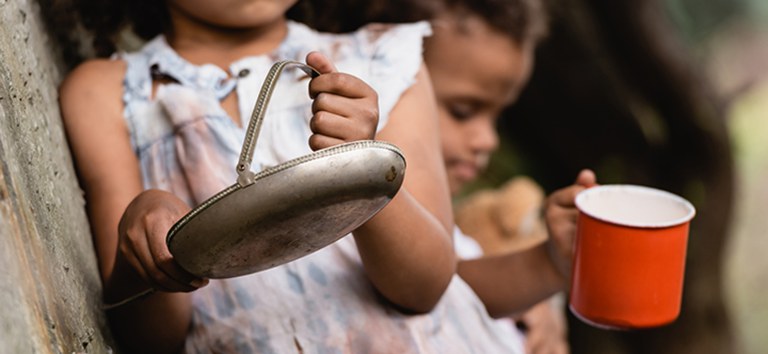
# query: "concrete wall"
{"type": "Point", "coordinates": [49, 284]}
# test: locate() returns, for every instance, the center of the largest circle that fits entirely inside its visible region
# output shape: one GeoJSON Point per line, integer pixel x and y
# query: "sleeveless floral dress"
{"type": "Point", "coordinates": [322, 303]}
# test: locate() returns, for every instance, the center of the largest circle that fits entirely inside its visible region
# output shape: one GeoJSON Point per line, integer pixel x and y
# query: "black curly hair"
{"type": "Point", "coordinates": [521, 20]}
{"type": "Point", "coordinates": [100, 21]}
{"type": "Point", "coordinates": [104, 20]}
{"type": "Point", "coordinates": [348, 15]}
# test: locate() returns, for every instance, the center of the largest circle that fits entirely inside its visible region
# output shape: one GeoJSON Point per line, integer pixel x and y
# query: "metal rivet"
{"type": "Point", "coordinates": [243, 73]}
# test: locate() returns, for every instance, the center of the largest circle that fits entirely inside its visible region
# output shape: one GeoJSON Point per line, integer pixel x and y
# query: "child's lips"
{"type": "Point", "coordinates": [466, 172]}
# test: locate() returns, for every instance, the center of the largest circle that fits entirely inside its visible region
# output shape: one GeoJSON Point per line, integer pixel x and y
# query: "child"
{"type": "Point", "coordinates": [480, 57]}
{"type": "Point", "coordinates": [154, 132]}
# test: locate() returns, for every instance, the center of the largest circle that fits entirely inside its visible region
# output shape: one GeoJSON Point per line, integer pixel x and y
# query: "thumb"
{"type": "Point", "coordinates": [320, 62]}
{"type": "Point", "coordinates": [586, 178]}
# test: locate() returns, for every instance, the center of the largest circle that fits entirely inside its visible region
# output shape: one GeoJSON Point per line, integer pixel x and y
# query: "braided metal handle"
{"type": "Point", "coordinates": [244, 173]}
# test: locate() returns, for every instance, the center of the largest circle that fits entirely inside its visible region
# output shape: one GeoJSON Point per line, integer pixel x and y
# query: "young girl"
{"type": "Point", "coordinates": [480, 57]}
{"type": "Point", "coordinates": [155, 131]}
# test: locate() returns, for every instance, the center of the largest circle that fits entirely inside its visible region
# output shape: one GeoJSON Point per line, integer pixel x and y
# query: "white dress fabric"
{"type": "Point", "coordinates": [322, 303]}
{"type": "Point", "coordinates": [467, 248]}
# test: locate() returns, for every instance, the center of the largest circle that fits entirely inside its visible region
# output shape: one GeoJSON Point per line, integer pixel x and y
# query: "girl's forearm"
{"type": "Point", "coordinates": [155, 323]}
{"type": "Point", "coordinates": [407, 254]}
{"type": "Point", "coordinates": [511, 283]}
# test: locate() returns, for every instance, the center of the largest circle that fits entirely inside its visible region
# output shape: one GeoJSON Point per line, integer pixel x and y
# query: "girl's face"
{"type": "Point", "coordinates": [476, 73]}
{"type": "Point", "coordinates": [231, 14]}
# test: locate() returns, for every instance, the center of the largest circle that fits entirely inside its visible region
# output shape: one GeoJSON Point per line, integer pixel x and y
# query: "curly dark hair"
{"type": "Point", "coordinates": [104, 20]}
{"type": "Point", "coordinates": [521, 20]}
{"type": "Point", "coordinates": [348, 15]}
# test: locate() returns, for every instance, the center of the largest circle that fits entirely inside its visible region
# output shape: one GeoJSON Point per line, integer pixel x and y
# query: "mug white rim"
{"type": "Point", "coordinates": [583, 195]}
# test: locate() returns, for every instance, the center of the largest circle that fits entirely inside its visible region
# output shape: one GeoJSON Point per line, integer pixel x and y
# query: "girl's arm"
{"type": "Point", "coordinates": [510, 283]}
{"type": "Point", "coordinates": [546, 328]}
{"type": "Point", "coordinates": [133, 256]}
{"type": "Point", "coordinates": [407, 248]}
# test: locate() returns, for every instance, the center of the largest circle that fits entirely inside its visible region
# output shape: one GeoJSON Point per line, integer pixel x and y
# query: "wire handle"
{"type": "Point", "coordinates": [244, 173]}
{"type": "Point", "coordinates": [143, 293]}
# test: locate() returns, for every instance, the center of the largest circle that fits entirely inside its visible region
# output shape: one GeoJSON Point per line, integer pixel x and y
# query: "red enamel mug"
{"type": "Point", "coordinates": [629, 256]}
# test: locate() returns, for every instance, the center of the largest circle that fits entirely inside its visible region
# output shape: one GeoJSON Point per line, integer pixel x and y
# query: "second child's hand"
{"type": "Point", "coordinates": [561, 215]}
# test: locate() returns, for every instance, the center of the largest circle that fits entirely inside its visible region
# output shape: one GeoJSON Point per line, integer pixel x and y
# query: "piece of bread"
{"type": "Point", "coordinates": [504, 220]}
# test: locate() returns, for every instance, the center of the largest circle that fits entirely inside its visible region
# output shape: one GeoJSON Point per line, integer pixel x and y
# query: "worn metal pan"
{"type": "Point", "coordinates": [288, 211]}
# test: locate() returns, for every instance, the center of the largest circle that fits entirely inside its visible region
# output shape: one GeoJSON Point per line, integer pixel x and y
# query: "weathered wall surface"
{"type": "Point", "coordinates": [49, 285]}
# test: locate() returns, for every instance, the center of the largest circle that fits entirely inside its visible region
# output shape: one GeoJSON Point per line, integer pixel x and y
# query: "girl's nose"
{"type": "Point", "coordinates": [484, 136]}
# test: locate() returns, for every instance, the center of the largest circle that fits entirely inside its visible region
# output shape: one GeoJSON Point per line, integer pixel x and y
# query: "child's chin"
{"type": "Point", "coordinates": [456, 184]}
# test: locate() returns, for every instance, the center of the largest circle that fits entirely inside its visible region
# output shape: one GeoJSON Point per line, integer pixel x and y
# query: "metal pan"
{"type": "Point", "coordinates": [290, 210]}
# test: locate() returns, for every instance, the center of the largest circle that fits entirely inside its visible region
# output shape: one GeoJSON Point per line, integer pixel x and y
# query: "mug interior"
{"type": "Point", "coordinates": [635, 206]}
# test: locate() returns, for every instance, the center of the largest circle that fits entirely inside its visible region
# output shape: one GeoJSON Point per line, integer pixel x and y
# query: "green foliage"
{"type": "Point", "coordinates": [698, 20]}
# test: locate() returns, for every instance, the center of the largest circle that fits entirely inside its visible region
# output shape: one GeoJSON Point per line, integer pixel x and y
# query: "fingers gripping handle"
{"type": "Point", "coordinates": [244, 173]}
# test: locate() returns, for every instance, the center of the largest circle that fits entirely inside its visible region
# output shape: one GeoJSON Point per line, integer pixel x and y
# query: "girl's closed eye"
{"type": "Point", "coordinates": [462, 111]}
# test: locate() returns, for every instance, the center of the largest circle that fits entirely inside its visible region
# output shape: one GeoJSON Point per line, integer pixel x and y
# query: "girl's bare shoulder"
{"type": "Point", "coordinates": [94, 76]}
{"type": "Point", "coordinates": [95, 84]}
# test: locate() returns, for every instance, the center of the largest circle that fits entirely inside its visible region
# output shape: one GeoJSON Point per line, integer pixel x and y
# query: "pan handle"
{"type": "Point", "coordinates": [244, 173]}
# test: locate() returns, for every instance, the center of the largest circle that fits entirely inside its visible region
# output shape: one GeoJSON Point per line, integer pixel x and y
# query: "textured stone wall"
{"type": "Point", "coordinates": [49, 284]}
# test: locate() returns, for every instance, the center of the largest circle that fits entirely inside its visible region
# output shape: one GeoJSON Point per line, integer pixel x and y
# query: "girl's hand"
{"type": "Point", "coordinates": [546, 329]}
{"type": "Point", "coordinates": [344, 109]}
{"type": "Point", "coordinates": [142, 232]}
{"type": "Point", "coordinates": [561, 215]}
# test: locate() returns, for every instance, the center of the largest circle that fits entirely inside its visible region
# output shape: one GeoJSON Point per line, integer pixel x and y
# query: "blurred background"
{"type": "Point", "coordinates": [672, 94]}
{"type": "Point", "coordinates": [736, 54]}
